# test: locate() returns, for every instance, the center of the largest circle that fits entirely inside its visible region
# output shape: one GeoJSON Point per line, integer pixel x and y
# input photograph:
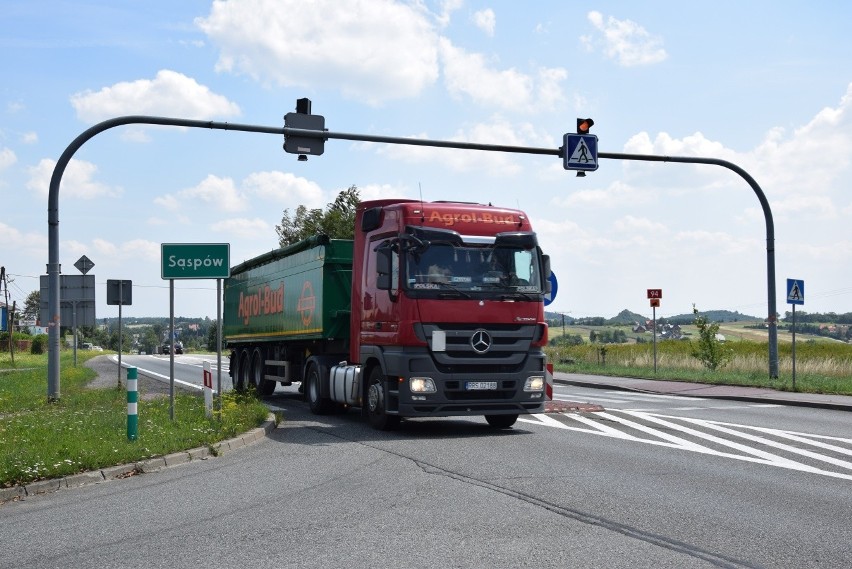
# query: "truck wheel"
{"type": "Point", "coordinates": [263, 386]}
{"type": "Point", "coordinates": [501, 421]}
{"type": "Point", "coordinates": [377, 403]}
{"type": "Point", "coordinates": [318, 404]}
{"type": "Point", "coordinates": [241, 372]}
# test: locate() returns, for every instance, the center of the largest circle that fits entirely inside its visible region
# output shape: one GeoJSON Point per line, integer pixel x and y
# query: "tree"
{"type": "Point", "coordinates": [337, 221]}
{"type": "Point", "coordinates": [32, 305]}
{"type": "Point", "coordinates": [709, 350]}
{"type": "Point", "coordinates": [212, 332]}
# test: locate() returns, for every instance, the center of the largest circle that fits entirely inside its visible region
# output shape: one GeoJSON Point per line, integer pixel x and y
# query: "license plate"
{"type": "Point", "coordinates": [480, 385]}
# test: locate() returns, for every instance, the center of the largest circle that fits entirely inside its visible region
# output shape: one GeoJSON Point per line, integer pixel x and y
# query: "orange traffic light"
{"type": "Point", "coordinates": [583, 125]}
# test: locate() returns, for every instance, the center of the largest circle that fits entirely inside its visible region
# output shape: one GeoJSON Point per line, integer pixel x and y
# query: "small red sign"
{"type": "Point", "coordinates": [655, 293]}
{"type": "Point", "coordinates": [655, 302]}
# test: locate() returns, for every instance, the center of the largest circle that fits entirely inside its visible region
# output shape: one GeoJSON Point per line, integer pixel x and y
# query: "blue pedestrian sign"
{"type": "Point", "coordinates": [795, 291]}
{"type": "Point", "coordinates": [580, 152]}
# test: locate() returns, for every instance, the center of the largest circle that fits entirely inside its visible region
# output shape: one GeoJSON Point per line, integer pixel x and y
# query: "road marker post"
{"type": "Point", "coordinates": [208, 390]}
{"type": "Point", "coordinates": [132, 400]}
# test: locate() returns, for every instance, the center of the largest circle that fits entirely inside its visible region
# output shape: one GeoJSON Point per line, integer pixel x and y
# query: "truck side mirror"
{"type": "Point", "coordinates": [383, 268]}
{"type": "Point", "coordinates": [545, 262]}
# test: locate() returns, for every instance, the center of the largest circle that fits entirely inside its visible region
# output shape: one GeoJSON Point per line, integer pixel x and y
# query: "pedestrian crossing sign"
{"type": "Point", "coordinates": [795, 291]}
{"type": "Point", "coordinates": [580, 152]}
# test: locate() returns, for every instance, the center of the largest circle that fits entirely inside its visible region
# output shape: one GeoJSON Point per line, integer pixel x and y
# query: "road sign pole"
{"type": "Point", "coordinates": [219, 342]}
{"type": "Point", "coordinates": [654, 316]}
{"type": "Point", "coordinates": [172, 349]}
{"type": "Point", "coordinates": [119, 343]}
{"type": "Point", "coordinates": [794, 347]}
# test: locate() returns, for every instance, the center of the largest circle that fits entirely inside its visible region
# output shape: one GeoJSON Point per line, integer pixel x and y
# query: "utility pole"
{"type": "Point", "coordinates": [10, 316]}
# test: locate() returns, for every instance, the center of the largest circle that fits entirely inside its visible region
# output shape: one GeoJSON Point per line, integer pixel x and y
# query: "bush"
{"type": "Point", "coordinates": [39, 344]}
{"type": "Point", "coordinates": [709, 350]}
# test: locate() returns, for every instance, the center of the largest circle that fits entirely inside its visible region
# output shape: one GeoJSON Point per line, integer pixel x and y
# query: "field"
{"type": "Point", "coordinates": [823, 365]}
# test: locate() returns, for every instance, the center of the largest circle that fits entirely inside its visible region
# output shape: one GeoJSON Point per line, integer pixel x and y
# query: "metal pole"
{"type": "Point", "coordinates": [172, 349]}
{"type": "Point", "coordinates": [74, 326]}
{"type": "Point", "coordinates": [120, 297]}
{"type": "Point", "coordinates": [772, 317]}
{"type": "Point", "coordinates": [219, 340]}
{"type": "Point", "coordinates": [654, 309]}
{"type": "Point", "coordinates": [54, 268]}
{"type": "Point", "coordinates": [794, 347]}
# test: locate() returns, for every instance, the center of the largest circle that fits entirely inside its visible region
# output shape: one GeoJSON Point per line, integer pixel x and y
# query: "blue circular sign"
{"type": "Point", "coordinates": [550, 297]}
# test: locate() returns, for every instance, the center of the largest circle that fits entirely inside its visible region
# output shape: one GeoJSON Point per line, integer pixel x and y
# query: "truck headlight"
{"type": "Point", "coordinates": [534, 383]}
{"type": "Point", "coordinates": [422, 385]}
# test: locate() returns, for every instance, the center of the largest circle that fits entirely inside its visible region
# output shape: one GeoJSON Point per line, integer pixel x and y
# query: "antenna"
{"type": "Point", "coordinates": [422, 211]}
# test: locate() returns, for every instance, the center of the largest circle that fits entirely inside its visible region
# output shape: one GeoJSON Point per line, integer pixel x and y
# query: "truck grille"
{"type": "Point", "coordinates": [490, 348]}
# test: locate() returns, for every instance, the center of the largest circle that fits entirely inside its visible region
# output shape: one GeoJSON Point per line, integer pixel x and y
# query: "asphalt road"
{"type": "Point", "coordinates": [646, 482]}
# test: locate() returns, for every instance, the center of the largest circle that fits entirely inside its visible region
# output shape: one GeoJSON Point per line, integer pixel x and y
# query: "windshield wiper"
{"type": "Point", "coordinates": [517, 294]}
{"type": "Point", "coordinates": [456, 290]}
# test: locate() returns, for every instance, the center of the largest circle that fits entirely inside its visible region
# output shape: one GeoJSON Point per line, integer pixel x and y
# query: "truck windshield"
{"type": "Point", "coordinates": [500, 269]}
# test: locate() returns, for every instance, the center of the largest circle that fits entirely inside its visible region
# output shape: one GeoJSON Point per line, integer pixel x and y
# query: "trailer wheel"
{"type": "Point", "coordinates": [319, 405]}
{"type": "Point", "coordinates": [241, 373]}
{"type": "Point", "coordinates": [377, 402]}
{"type": "Point", "coordinates": [263, 386]}
{"type": "Point", "coordinates": [501, 421]}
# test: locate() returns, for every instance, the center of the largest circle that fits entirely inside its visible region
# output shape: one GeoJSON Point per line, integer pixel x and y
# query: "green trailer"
{"type": "Point", "coordinates": [284, 305]}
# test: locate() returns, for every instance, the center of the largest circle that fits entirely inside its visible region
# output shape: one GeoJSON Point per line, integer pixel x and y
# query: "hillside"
{"type": "Point", "coordinates": [713, 316]}
{"type": "Point", "coordinates": [626, 317]}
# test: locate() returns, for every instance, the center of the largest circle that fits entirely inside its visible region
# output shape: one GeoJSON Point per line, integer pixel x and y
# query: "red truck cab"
{"type": "Point", "coordinates": [447, 311]}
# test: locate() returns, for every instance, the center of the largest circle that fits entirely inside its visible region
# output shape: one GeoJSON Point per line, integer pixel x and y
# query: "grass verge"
{"type": "Point", "coordinates": [87, 429]}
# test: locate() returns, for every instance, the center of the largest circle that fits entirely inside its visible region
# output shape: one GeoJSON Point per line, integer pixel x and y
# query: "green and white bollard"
{"type": "Point", "coordinates": [132, 399]}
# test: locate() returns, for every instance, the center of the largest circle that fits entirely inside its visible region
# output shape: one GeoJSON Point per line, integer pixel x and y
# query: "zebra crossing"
{"type": "Point", "coordinates": [810, 453]}
{"type": "Point", "coordinates": [651, 401]}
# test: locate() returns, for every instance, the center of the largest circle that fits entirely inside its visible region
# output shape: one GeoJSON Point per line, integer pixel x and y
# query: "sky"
{"type": "Point", "coordinates": [766, 85]}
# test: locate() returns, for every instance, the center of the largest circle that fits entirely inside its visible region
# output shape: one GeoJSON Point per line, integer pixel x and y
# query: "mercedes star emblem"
{"type": "Point", "coordinates": [480, 341]}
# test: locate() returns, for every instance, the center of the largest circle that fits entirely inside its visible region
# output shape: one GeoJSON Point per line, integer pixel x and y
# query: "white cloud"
{"type": "Point", "coordinates": [170, 94]}
{"type": "Point", "coordinates": [447, 8]}
{"type": "Point", "coordinates": [803, 174]}
{"type": "Point", "coordinates": [469, 74]}
{"type": "Point", "coordinates": [168, 202]}
{"type": "Point", "coordinates": [7, 158]}
{"type": "Point", "coordinates": [14, 239]}
{"type": "Point", "coordinates": [485, 20]}
{"type": "Point", "coordinates": [814, 160]}
{"type": "Point", "coordinates": [628, 43]}
{"type": "Point", "coordinates": [242, 227]}
{"type": "Point", "coordinates": [382, 191]}
{"type": "Point", "coordinates": [221, 193]}
{"type": "Point", "coordinates": [631, 224]}
{"type": "Point", "coordinates": [77, 180]}
{"type": "Point", "coordinates": [373, 50]}
{"type": "Point", "coordinates": [29, 137]}
{"type": "Point", "coordinates": [498, 131]}
{"type": "Point", "coordinates": [113, 253]}
{"type": "Point", "coordinates": [284, 188]}
{"type": "Point", "coordinates": [618, 194]}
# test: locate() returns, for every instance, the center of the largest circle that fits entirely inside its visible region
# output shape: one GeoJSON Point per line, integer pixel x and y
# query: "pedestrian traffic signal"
{"type": "Point", "coordinates": [583, 125]}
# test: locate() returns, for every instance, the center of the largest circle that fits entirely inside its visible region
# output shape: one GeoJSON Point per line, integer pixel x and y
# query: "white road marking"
{"type": "Point", "coordinates": [751, 453]}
